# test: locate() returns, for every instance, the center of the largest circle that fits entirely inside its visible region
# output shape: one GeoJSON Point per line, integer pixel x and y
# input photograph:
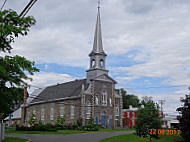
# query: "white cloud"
{"type": "Point", "coordinates": [44, 79]}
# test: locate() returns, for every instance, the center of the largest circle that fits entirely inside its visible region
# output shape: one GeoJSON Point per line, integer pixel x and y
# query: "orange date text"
{"type": "Point", "coordinates": [163, 132]}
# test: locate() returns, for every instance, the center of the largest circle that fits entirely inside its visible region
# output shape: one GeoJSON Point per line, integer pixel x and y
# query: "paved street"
{"type": "Point", "coordinates": [86, 137]}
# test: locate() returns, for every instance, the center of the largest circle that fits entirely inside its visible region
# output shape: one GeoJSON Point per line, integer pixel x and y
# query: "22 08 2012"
{"type": "Point", "coordinates": [163, 132]}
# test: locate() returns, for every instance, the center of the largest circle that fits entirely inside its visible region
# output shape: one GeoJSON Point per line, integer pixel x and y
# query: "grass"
{"type": "Point", "coordinates": [11, 131]}
{"type": "Point", "coordinates": [135, 138]}
{"type": "Point", "coordinates": [12, 139]}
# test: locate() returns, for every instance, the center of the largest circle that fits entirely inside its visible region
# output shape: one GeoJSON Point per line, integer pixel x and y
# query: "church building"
{"type": "Point", "coordinates": [93, 96]}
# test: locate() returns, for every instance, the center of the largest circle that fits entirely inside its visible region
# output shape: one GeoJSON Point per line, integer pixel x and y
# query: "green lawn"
{"type": "Point", "coordinates": [11, 139]}
{"type": "Point", "coordinates": [135, 138]}
{"type": "Point", "coordinates": [63, 131]}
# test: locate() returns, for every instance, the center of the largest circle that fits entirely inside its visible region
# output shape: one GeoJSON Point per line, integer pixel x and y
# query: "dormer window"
{"type": "Point", "coordinates": [101, 63]}
{"type": "Point", "coordinates": [93, 63]}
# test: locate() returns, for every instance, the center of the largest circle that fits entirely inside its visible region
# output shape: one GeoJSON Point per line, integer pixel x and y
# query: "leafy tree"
{"type": "Point", "coordinates": [60, 121]}
{"type": "Point", "coordinates": [128, 99]}
{"type": "Point", "coordinates": [184, 118]}
{"type": "Point", "coordinates": [32, 120]}
{"type": "Point", "coordinates": [14, 70]}
{"type": "Point", "coordinates": [148, 118]}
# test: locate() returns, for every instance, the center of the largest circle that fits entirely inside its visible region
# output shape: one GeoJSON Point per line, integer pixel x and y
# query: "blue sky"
{"type": "Point", "coordinates": [147, 44]}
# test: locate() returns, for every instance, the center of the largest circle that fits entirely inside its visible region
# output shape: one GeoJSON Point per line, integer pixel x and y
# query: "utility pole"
{"type": "Point", "coordinates": [113, 107]}
{"type": "Point", "coordinates": [161, 103]}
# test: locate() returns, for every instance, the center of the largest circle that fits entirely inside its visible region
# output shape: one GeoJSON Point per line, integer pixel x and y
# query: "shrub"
{"type": "Point", "coordinates": [74, 127]}
{"type": "Point", "coordinates": [79, 122]}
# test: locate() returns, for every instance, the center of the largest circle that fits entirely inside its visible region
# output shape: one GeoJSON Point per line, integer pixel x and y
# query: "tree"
{"type": "Point", "coordinates": [14, 70]}
{"type": "Point", "coordinates": [148, 118]}
{"type": "Point", "coordinates": [128, 99]}
{"type": "Point", "coordinates": [60, 120]}
{"type": "Point", "coordinates": [184, 118]}
{"type": "Point", "coordinates": [32, 119]}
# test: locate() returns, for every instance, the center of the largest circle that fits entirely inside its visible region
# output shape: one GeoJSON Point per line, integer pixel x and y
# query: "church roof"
{"type": "Point", "coordinates": [61, 91]}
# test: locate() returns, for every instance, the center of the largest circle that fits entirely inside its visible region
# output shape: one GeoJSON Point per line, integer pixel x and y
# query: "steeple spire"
{"type": "Point", "coordinates": [98, 46]}
{"type": "Point", "coordinates": [97, 56]}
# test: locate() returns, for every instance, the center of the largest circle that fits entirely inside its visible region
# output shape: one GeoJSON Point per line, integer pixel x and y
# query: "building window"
{"type": "Point", "coordinates": [133, 123]}
{"type": "Point", "coordinates": [101, 63]}
{"type": "Point", "coordinates": [116, 110]}
{"type": "Point", "coordinates": [88, 110]}
{"type": "Point", "coordinates": [51, 114]}
{"type": "Point", "coordinates": [34, 112]}
{"type": "Point", "coordinates": [133, 114]}
{"type": "Point", "coordinates": [72, 111]}
{"type": "Point", "coordinates": [128, 114]}
{"type": "Point", "coordinates": [110, 101]}
{"type": "Point", "coordinates": [62, 111]}
{"type": "Point", "coordinates": [42, 114]}
{"type": "Point", "coordinates": [93, 63]}
{"type": "Point", "coordinates": [28, 116]}
{"type": "Point", "coordinates": [104, 98]}
{"type": "Point", "coordinates": [97, 100]}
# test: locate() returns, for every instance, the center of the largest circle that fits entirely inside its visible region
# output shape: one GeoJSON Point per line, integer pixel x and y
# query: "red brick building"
{"type": "Point", "coordinates": [129, 117]}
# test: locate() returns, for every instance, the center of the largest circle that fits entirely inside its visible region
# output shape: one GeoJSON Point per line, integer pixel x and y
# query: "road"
{"type": "Point", "coordinates": [85, 137]}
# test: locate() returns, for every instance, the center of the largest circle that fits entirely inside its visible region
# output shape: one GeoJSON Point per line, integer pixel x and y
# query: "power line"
{"type": "Point", "coordinates": [152, 87]}
{"type": "Point", "coordinates": [3, 5]}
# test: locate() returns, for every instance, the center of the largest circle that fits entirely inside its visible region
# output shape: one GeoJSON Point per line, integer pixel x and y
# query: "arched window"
{"type": "Point", "coordinates": [92, 63]}
{"type": "Point", "coordinates": [110, 101]}
{"type": "Point", "coordinates": [61, 111]}
{"type": "Point", "coordinates": [51, 114]}
{"type": "Point", "coordinates": [101, 63]}
{"type": "Point", "coordinates": [88, 110]}
{"type": "Point", "coordinates": [72, 111]}
{"type": "Point", "coordinates": [42, 114]}
{"type": "Point", "coordinates": [116, 110]}
{"type": "Point", "coordinates": [97, 100]}
{"type": "Point", "coordinates": [104, 98]}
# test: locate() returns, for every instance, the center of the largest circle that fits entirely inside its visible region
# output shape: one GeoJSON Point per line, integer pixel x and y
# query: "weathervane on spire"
{"type": "Point", "coordinates": [99, 4]}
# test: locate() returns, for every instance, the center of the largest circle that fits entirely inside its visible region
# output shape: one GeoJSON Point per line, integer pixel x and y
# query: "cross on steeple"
{"type": "Point", "coordinates": [98, 4]}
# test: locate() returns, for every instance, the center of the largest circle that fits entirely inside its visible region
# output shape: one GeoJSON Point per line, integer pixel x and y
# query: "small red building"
{"type": "Point", "coordinates": [129, 117]}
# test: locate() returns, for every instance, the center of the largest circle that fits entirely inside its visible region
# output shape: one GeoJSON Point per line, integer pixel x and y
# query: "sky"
{"type": "Point", "coordinates": [147, 43]}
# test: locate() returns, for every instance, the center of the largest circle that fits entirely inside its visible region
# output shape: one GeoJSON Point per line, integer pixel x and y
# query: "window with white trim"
{"type": "Point", "coordinates": [128, 114]}
{"type": "Point", "coordinates": [42, 114]}
{"type": "Point", "coordinates": [116, 110]}
{"type": "Point", "coordinates": [133, 122]}
{"type": "Point", "coordinates": [61, 111]}
{"type": "Point", "coordinates": [72, 111]}
{"type": "Point", "coordinates": [28, 116]}
{"type": "Point", "coordinates": [97, 100]}
{"type": "Point", "coordinates": [88, 110]}
{"type": "Point", "coordinates": [51, 114]}
{"type": "Point", "coordinates": [104, 98]}
{"type": "Point", "coordinates": [110, 101]}
{"type": "Point", "coordinates": [133, 114]}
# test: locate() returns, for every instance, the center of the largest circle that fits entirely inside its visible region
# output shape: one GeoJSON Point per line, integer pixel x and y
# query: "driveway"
{"type": "Point", "coordinates": [85, 137]}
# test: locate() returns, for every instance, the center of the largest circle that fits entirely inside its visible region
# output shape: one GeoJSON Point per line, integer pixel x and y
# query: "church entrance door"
{"type": "Point", "coordinates": [103, 118]}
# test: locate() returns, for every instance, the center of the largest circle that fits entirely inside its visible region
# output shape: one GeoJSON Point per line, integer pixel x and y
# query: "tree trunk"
{"type": "Point", "coordinates": [150, 138]}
